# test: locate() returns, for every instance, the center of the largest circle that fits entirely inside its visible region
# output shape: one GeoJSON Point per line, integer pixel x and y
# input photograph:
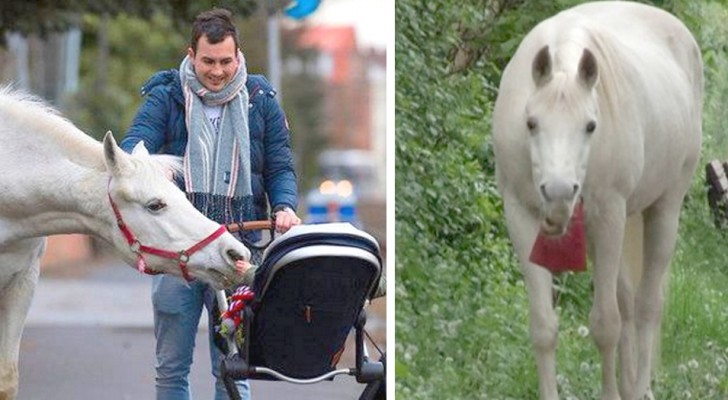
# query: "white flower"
{"type": "Point", "coordinates": [585, 366]}
{"type": "Point", "coordinates": [693, 364]}
{"type": "Point", "coordinates": [720, 364]}
{"type": "Point", "coordinates": [711, 379]}
{"type": "Point", "coordinates": [583, 331]}
{"type": "Point", "coordinates": [682, 368]}
{"type": "Point", "coordinates": [687, 395]}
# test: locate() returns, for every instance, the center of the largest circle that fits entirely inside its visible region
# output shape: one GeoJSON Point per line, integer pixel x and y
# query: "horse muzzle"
{"type": "Point", "coordinates": [555, 218]}
{"type": "Point", "coordinates": [558, 190]}
{"type": "Point", "coordinates": [226, 276]}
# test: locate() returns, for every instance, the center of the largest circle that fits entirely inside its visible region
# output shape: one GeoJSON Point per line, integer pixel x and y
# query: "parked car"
{"type": "Point", "coordinates": [332, 201]}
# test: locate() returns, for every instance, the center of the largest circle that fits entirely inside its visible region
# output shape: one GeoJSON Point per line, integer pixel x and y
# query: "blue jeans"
{"type": "Point", "coordinates": [177, 310]}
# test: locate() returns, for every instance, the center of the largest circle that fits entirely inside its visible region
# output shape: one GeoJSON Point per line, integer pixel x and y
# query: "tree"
{"type": "Point", "coordinates": [121, 52]}
{"type": "Point", "coordinates": [43, 17]}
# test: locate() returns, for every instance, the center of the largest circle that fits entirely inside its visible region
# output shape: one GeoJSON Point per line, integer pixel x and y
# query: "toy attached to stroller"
{"type": "Point", "coordinates": [307, 295]}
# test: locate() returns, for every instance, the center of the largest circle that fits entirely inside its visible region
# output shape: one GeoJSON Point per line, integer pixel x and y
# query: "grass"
{"type": "Point", "coordinates": [476, 345]}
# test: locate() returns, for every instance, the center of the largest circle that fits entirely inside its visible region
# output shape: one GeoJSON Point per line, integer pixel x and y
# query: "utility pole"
{"type": "Point", "coordinates": [297, 10]}
{"type": "Point", "coordinates": [274, 49]}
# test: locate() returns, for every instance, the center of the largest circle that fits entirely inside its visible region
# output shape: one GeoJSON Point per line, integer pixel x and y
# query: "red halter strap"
{"type": "Point", "coordinates": [182, 256]}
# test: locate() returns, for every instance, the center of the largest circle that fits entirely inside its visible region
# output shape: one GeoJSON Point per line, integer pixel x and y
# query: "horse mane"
{"type": "Point", "coordinates": [31, 113]}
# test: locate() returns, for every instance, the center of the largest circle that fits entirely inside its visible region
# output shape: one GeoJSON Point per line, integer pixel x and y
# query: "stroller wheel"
{"type": "Point", "coordinates": [377, 390]}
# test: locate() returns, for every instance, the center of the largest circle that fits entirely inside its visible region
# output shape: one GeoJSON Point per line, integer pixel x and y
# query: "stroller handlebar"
{"type": "Point", "coordinates": [250, 226]}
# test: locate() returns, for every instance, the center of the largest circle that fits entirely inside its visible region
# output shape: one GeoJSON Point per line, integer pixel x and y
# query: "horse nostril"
{"type": "Point", "coordinates": [234, 255]}
{"type": "Point", "coordinates": [543, 192]}
{"type": "Point", "coordinates": [576, 188]}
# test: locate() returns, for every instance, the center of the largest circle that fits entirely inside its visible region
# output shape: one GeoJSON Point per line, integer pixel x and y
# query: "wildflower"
{"type": "Point", "coordinates": [711, 379]}
{"type": "Point", "coordinates": [682, 368]}
{"type": "Point", "coordinates": [583, 331]}
{"type": "Point", "coordinates": [720, 364]}
{"type": "Point", "coordinates": [687, 395]}
{"type": "Point", "coordinates": [585, 366]}
{"type": "Point", "coordinates": [693, 364]}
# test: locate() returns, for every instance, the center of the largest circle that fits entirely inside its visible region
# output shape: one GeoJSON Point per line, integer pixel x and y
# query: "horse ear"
{"type": "Point", "coordinates": [542, 67]}
{"type": "Point", "coordinates": [588, 70]}
{"type": "Point", "coordinates": [116, 159]}
{"type": "Point", "coordinates": [140, 149]}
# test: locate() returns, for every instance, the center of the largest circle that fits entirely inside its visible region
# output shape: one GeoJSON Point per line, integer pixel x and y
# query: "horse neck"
{"type": "Point", "coordinates": [54, 193]}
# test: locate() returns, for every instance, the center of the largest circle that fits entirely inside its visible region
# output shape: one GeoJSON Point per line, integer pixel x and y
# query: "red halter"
{"type": "Point", "coordinates": [182, 256]}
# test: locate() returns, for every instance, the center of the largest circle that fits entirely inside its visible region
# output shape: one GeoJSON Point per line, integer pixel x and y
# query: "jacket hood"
{"type": "Point", "coordinates": [168, 78]}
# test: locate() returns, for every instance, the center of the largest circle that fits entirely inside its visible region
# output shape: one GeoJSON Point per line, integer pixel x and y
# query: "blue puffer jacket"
{"type": "Point", "coordinates": [160, 123]}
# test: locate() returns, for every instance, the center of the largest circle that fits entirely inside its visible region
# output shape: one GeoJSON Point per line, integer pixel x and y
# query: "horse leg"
{"type": "Point", "coordinates": [607, 231]}
{"type": "Point", "coordinates": [629, 275]}
{"type": "Point", "coordinates": [16, 293]}
{"type": "Point", "coordinates": [543, 327]}
{"type": "Point", "coordinates": [661, 227]}
{"type": "Point", "coordinates": [626, 347]}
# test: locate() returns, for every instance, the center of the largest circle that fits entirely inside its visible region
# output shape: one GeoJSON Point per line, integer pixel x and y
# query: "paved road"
{"type": "Point", "coordinates": [90, 337]}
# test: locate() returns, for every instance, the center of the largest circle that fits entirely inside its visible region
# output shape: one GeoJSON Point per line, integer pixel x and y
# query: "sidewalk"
{"type": "Point", "coordinates": [105, 298]}
{"type": "Point", "coordinates": [107, 294]}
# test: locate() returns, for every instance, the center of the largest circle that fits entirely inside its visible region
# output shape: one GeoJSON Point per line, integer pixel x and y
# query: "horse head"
{"type": "Point", "coordinates": [561, 117]}
{"type": "Point", "coordinates": [153, 213]}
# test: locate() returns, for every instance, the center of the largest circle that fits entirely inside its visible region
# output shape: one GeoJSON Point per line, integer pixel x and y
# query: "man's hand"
{"type": "Point", "coordinates": [285, 219]}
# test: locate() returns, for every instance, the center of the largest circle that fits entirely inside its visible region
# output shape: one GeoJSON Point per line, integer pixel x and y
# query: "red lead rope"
{"type": "Point", "coordinates": [182, 256]}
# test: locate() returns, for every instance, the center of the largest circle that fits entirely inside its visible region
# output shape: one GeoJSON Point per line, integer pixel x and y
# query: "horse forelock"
{"type": "Point", "coordinates": [169, 165]}
{"type": "Point", "coordinates": [143, 173]}
{"type": "Point", "coordinates": [561, 92]}
{"type": "Point", "coordinates": [568, 47]}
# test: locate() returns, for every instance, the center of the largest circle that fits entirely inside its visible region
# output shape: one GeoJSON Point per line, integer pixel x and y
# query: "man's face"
{"type": "Point", "coordinates": [215, 64]}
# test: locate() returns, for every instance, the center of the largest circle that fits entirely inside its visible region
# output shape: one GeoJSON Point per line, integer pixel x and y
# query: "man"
{"type": "Point", "coordinates": [237, 158]}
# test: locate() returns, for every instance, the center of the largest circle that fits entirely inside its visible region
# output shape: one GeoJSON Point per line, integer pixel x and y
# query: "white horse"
{"type": "Point", "coordinates": [54, 179]}
{"type": "Point", "coordinates": [601, 104]}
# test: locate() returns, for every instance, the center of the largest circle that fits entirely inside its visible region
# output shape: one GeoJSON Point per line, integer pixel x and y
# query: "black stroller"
{"type": "Point", "coordinates": [309, 293]}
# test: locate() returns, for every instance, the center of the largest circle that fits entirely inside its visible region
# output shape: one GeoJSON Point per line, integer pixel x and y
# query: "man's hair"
{"type": "Point", "coordinates": [216, 24]}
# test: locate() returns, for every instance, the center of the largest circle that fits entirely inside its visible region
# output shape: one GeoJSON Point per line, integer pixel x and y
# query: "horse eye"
{"type": "Point", "coordinates": [591, 126]}
{"type": "Point", "coordinates": [155, 205]}
{"type": "Point", "coordinates": [531, 123]}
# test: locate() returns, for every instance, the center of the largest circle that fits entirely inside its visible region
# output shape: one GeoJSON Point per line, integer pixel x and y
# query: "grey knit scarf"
{"type": "Point", "coordinates": [217, 162]}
